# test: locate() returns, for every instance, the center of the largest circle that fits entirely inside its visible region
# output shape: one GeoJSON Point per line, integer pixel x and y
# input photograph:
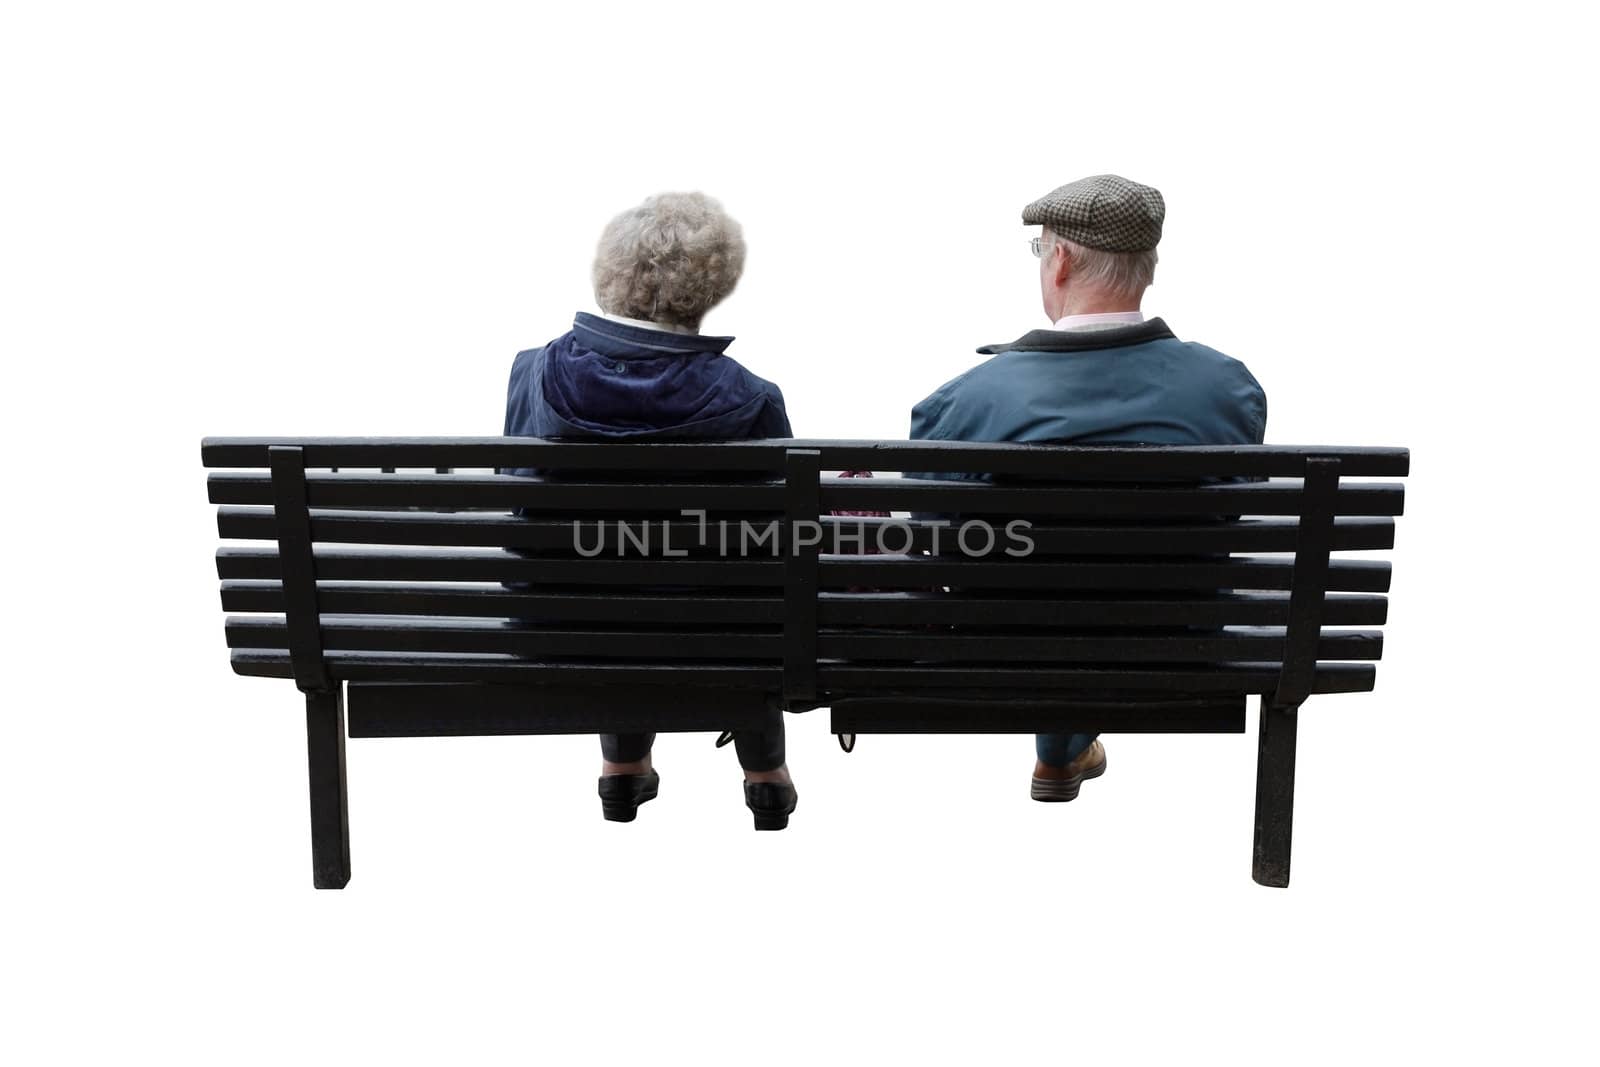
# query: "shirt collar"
{"type": "Point", "coordinates": [646, 324]}
{"type": "Point", "coordinates": [1104, 320]}
{"type": "Point", "coordinates": [618, 338]}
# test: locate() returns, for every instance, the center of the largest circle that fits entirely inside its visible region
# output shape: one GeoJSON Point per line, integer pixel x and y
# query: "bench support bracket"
{"type": "Point", "coordinates": [802, 511]}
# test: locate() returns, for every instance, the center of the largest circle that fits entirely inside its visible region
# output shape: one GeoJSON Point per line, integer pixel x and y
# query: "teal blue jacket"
{"type": "Point", "coordinates": [1133, 384]}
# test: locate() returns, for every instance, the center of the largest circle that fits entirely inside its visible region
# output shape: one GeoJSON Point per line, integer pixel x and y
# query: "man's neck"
{"type": "Point", "coordinates": [1092, 303]}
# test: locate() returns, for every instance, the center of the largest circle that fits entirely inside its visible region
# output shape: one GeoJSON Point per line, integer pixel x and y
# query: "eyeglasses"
{"type": "Point", "coordinates": [1037, 245]}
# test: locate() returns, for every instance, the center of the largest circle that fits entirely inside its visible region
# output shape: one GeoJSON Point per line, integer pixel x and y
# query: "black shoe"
{"type": "Point", "coordinates": [771, 803]}
{"type": "Point", "coordinates": [621, 794]}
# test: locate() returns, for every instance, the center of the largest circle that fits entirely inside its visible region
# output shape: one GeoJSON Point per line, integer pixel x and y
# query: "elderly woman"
{"type": "Point", "coordinates": [642, 370]}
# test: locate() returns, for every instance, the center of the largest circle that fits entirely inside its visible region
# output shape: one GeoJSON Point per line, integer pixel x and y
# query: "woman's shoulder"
{"type": "Point", "coordinates": [754, 383]}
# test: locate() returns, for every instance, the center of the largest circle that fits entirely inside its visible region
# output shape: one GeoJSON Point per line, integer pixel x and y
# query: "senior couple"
{"type": "Point", "coordinates": [1100, 374]}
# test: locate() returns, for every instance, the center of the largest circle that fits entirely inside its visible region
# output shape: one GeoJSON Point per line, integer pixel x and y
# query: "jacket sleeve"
{"type": "Point", "coordinates": [511, 392]}
{"type": "Point", "coordinates": [936, 419]}
{"type": "Point", "coordinates": [520, 417]}
{"type": "Point", "coordinates": [507, 426]}
{"type": "Point", "coordinates": [774, 421]}
{"type": "Point", "coordinates": [1261, 415]}
{"type": "Point", "coordinates": [926, 415]}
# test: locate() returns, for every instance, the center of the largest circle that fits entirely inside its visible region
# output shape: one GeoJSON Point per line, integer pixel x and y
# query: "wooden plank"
{"type": "Point", "coordinates": [1239, 609]}
{"type": "Point", "coordinates": [1072, 461]}
{"type": "Point", "coordinates": [506, 491]}
{"type": "Point", "coordinates": [599, 537]}
{"type": "Point", "coordinates": [998, 715]}
{"type": "Point", "coordinates": [493, 529]}
{"type": "Point", "coordinates": [1242, 572]}
{"type": "Point", "coordinates": [482, 635]}
{"type": "Point", "coordinates": [402, 710]}
{"type": "Point", "coordinates": [488, 565]}
{"type": "Point", "coordinates": [502, 492]}
{"type": "Point", "coordinates": [979, 498]}
{"type": "Point", "coordinates": [493, 601]}
{"type": "Point", "coordinates": [423, 667]}
{"type": "Point", "coordinates": [1351, 534]}
{"type": "Point", "coordinates": [1224, 647]}
{"type": "Point", "coordinates": [1246, 678]}
{"type": "Point", "coordinates": [834, 609]}
{"type": "Point", "coordinates": [346, 563]}
{"type": "Point", "coordinates": [840, 680]}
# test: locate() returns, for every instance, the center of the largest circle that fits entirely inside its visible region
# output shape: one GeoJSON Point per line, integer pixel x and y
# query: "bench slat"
{"type": "Point", "coordinates": [1075, 461]}
{"type": "Point", "coordinates": [464, 635]}
{"type": "Point", "coordinates": [488, 565]}
{"type": "Point", "coordinates": [502, 492]}
{"type": "Point", "coordinates": [861, 609]}
{"type": "Point", "coordinates": [842, 680]}
{"type": "Point", "coordinates": [462, 667]}
{"type": "Point", "coordinates": [506, 491]}
{"type": "Point", "coordinates": [1240, 572]}
{"type": "Point", "coordinates": [355, 598]}
{"type": "Point", "coordinates": [978, 498]}
{"type": "Point", "coordinates": [486, 529]}
{"type": "Point", "coordinates": [474, 564]}
{"type": "Point", "coordinates": [1245, 678]}
{"type": "Point", "coordinates": [931, 713]}
{"type": "Point", "coordinates": [482, 635]}
{"type": "Point", "coordinates": [388, 709]}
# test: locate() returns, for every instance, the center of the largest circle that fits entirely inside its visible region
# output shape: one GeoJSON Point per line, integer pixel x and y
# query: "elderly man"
{"type": "Point", "coordinates": [1102, 374]}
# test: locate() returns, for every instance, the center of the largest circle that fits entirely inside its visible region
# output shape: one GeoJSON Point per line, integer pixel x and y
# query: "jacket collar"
{"type": "Point", "coordinates": [1083, 340]}
{"type": "Point", "coordinates": [617, 338]}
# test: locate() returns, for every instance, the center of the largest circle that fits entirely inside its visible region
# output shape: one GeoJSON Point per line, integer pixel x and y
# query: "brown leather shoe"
{"type": "Point", "coordinates": [1064, 784]}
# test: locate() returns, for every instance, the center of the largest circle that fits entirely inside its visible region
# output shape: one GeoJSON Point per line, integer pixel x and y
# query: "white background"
{"type": "Point", "coordinates": [284, 219]}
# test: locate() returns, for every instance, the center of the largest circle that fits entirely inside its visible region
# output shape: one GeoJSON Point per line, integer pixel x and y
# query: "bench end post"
{"type": "Point", "coordinates": [1274, 794]}
{"type": "Point", "coordinates": [330, 802]}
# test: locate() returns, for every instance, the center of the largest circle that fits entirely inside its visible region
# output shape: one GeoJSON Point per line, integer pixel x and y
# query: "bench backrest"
{"type": "Point", "coordinates": [1135, 569]}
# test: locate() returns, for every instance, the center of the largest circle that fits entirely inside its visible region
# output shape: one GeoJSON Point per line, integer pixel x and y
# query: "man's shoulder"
{"type": "Point", "coordinates": [1206, 354]}
{"type": "Point", "coordinates": [963, 406]}
{"type": "Point", "coordinates": [1222, 389]}
{"type": "Point", "coordinates": [981, 373]}
{"type": "Point", "coordinates": [1209, 362]}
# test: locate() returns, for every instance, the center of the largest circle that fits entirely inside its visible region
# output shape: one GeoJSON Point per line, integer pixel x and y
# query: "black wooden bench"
{"type": "Point", "coordinates": [405, 584]}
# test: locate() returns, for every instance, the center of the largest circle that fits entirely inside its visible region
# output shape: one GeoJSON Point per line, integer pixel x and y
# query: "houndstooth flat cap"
{"type": "Point", "coordinates": [1104, 212]}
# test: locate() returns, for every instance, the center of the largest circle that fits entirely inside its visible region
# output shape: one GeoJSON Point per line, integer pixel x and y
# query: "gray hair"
{"type": "Point", "coordinates": [669, 260]}
{"type": "Point", "coordinates": [1126, 274]}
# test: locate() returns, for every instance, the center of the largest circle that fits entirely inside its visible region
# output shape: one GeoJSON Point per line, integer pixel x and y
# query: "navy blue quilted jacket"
{"type": "Point", "coordinates": [608, 379]}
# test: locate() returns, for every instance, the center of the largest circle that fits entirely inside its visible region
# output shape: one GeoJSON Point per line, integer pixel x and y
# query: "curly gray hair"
{"type": "Point", "coordinates": [669, 260]}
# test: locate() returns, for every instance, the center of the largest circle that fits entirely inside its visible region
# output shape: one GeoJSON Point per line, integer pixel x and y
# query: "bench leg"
{"type": "Point", "coordinates": [330, 810]}
{"type": "Point", "coordinates": [1274, 794]}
